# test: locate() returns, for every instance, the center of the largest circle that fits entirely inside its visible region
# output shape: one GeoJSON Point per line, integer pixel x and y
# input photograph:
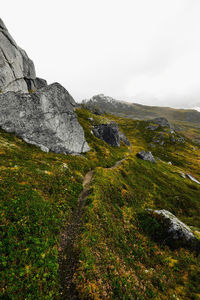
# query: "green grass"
{"type": "Point", "coordinates": [37, 194]}
{"type": "Point", "coordinates": [118, 257]}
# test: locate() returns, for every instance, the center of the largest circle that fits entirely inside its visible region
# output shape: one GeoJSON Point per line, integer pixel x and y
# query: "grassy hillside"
{"type": "Point", "coordinates": [119, 258]}
{"type": "Point", "coordinates": [187, 121]}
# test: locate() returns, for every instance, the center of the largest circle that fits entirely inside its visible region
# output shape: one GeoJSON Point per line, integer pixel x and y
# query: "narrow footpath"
{"type": "Point", "coordinates": [69, 254]}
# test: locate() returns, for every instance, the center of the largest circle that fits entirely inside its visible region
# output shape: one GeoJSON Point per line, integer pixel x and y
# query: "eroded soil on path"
{"type": "Point", "coordinates": [69, 254]}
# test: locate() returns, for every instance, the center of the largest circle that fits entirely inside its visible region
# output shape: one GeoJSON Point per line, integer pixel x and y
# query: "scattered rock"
{"type": "Point", "coordinates": [146, 156]}
{"type": "Point", "coordinates": [91, 119]}
{"type": "Point", "coordinates": [124, 139]}
{"type": "Point", "coordinates": [152, 126]}
{"type": "Point", "coordinates": [175, 233]}
{"type": "Point", "coordinates": [192, 178]}
{"type": "Point", "coordinates": [178, 139]}
{"type": "Point", "coordinates": [163, 122]}
{"type": "Point", "coordinates": [45, 118]}
{"type": "Point", "coordinates": [159, 139]}
{"type": "Point", "coordinates": [182, 174]}
{"type": "Point", "coordinates": [108, 133]}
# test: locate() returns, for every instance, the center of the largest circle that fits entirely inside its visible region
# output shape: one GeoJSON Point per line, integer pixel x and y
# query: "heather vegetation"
{"type": "Point", "coordinates": [119, 255]}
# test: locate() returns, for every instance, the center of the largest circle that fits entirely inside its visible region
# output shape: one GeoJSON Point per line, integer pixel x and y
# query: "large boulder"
{"type": "Point", "coordinates": [108, 133]}
{"type": "Point", "coordinates": [146, 156]}
{"type": "Point", "coordinates": [17, 71]}
{"type": "Point", "coordinates": [45, 118]}
{"type": "Point", "coordinates": [172, 231]}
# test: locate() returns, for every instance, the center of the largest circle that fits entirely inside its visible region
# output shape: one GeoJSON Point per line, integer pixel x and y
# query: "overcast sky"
{"type": "Point", "coordinates": [145, 51]}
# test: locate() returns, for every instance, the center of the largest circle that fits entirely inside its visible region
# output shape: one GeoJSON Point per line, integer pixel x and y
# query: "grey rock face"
{"type": "Point", "coordinates": [45, 118]}
{"type": "Point", "coordinates": [17, 71]}
{"type": "Point", "coordinates": [124, 139]}
{"type": "Point", "coordinates": [146, 156]}
{"type": "Point", "coordinates": [176, 233]}
{"type": "Point", "coordinates": [40, 83]}
{"type": "Point", "coordinates": [163, 122]}
{"type": "Point", "coordinates": [108, 133]}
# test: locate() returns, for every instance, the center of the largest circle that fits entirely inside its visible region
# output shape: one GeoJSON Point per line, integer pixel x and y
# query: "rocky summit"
{"type": "Point", "coordinates": [45, 118]}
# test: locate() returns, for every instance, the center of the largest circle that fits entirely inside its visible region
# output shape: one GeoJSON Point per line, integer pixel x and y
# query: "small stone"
{"type": "Point", "coordinates": [146, 156]}
{"type": "Point", "coordinates": [182, 174]}
{"type": "Point", "coordinates": [91, 119]}
{"type": "Point", "coordinates": [192, 178]}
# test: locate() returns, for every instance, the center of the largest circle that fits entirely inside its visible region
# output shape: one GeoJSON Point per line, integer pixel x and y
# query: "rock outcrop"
{"type": "Point", "coordinates": [42, 115]}
{"type": "Point", "coordinates": [108, 133]}
{"type": "Point", "coordinates": [17, 71]}
{"type": "Point", "coordinates": [45, 118]}
{"type": "Point", "coordinates": [174, 232]}
{"type": "Point", "coordinates": [146, 156]}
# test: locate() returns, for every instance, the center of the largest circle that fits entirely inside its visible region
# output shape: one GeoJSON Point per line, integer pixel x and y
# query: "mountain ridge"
{"type": "Point", "coordinates": [187, 121]}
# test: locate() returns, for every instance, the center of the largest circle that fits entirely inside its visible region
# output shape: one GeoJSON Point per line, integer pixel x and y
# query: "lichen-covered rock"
{"type": "Point", "coordinates": [174, 232]}
{"type": "Point", "coordinates": [146, 156]}
{"type": "Point", "coordinates": [124, 139]}
{"type": "Point", "coordinates": [45, 118]}
{"type": "Point", "coordinates": [17, 71]}
{"type": "Point", "coordinates": [108, 133]}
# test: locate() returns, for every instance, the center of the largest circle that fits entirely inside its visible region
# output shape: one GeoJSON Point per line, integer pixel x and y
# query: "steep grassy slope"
{"type": "Point", "coordinates": [37, 194]}
{"type": "Point", "coordinates": [119, 259]}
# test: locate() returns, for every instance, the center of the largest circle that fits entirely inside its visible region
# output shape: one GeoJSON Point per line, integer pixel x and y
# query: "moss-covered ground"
{"type": "Point", "coordinates": [119, 259]}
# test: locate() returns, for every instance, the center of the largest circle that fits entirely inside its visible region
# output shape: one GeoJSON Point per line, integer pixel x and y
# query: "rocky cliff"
{"type": "Point", "coordinates": [17, 70]}
{"type": "Point", "coordinates": [46, 116]}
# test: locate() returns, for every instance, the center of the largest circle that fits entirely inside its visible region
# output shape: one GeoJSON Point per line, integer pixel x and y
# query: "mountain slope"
{"type": "Point", "coordinates": [187, 121]}
{"type": "Point", "coordinates": [118, 257]}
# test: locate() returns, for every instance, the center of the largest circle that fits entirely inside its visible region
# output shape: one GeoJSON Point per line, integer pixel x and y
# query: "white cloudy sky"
{"type": "Point", "coordinates": [145, 51]}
